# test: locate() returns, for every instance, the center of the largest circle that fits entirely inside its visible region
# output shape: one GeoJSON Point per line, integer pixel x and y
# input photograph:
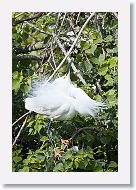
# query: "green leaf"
{"type": "Point", "coordinates": [17, 159]}
{"type": "Point", "coordinates": [103, 70]}
{"type": "Point", "coordinates": [84, 45]}
{"type": "Point", "coordinates": [90, 155]}
{"type": "Point", "coordinates": [94, 60]}
{"type": "Point", "coordinates": [25, 88]}
{"type": "Point", "coordinates": [112, 62]}
{"type": "Point", "coordinates": [105, 139]}
{"type": "Point", "coordinates": [92, 49]}
{"type": "Point", "coordinates": [76, 162]}
{"type": "Point", "coordinates": [101, 58]}
{"type": "Point", "coordinates": [68, 155]}
{"type": "Point", "coordinates": [15, 75]}
{"type": "Point", "coordinates": [15, 84]}
{"type": "Point", "coordinates": [89, 149]}
{"type": "Point", "coordinates": [112, 101]}
{"type": "Point", "coordinates": [113, 50]}
{"type": "Point", "coordinates": [98, 98]}
{"type": "Point", "coordinates": [24, 169]}
{"type": "Point", "coordinates": [96, 37]}
{"type": "Point", "coordinates": [86, 163]}
{"type": "Point", "coordinates": [44, 138]}
{"type": "Point", "coordinates": [112, 164]}
{"type": "Point", "coordinates": [110, 82]}
{"type": "Point", "coordinates": [88, 66]}
{"type": "Point", "coordinates": [58, 167]}
{"type": "Point", "coordinates": [107, 77]}
{"type": "Point", "coordinates": [38, 127]}
{"type": "Point", "coordinates": [108, 38]}
{"type": "Point", "coordinates": [110, 92]}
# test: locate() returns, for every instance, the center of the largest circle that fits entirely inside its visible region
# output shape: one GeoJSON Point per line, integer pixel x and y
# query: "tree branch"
{"type": "Point", "coordinates": [21, 118]}
{"type": "Point", "coordinates": [62, 23]}
{"type": "Point", "coordinates": [28, 57]}
{"type": "Point", "coordinates": [115, 15]}
{"type": "Point", "coordinates": [77, 72]}
{"type": "Point", "coordinates": [37, 15]}
{"type": "Point", "coordinates": [70, 50]}
{"type": "Point", "coordinates": [39, 30]}
{"type": "Point", "coordinates": [82, 129]}
{"type": "Point", "coordinates": [19, 132]}
{"type": "Point", "coordinates": [30, 48]}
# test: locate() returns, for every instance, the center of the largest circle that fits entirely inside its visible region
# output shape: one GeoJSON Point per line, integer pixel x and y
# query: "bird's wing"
{"type": "Point", "coordinates": [51, 104]}
{"type": "Point", "coordinates": [84, 105]}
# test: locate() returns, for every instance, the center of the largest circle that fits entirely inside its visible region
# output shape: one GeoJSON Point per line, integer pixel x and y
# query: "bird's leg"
{"type": "Point", "coordinates": [48, 132]}
{"type": "Point", "coordinates": [55, 133]}
{"type": "Point", "coordinates": [48, 129]}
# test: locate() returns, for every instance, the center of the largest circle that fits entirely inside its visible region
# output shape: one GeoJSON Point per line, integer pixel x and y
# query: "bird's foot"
{"type": "Point", "coordinates": [57, 153]}
{"type": "Point", "coordinates": [66, 142]}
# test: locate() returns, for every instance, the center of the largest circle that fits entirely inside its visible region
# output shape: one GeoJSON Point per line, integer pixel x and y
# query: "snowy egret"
{"type": "Point", "coordinates": [60, 99]}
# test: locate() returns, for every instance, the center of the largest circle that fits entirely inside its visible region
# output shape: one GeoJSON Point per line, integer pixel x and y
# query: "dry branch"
{"type": "Point", "coordinates": [28, 57]}
{"type": "Point", "coordinates": [70, 50]}
{"type": "Point", "coordinates": [19, 132]}
{"type": "Point", "coordinates": [30, 48]}
{"type": "Point", "coordinates": [77, 72]}
{"type": "Point", "coordinates": [37, 15]}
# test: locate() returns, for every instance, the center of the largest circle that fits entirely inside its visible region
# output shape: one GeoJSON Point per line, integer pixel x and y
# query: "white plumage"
{"type": "Point", "coordinates": [60, 99]}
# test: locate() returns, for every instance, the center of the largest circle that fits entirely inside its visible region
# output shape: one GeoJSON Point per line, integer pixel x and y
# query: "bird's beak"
{"type": "Point", "coordinates": [68, 69]}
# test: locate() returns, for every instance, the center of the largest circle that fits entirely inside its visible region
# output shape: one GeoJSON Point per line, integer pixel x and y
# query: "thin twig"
{"type": "Point", "coordinates": [20, 131]}
{"type": "Point", "coordinates": [77, 18]}
{"type": "Point", "coordinates": [21, 118]}
{"type": "Point", "coordinates": [77, 72]}
{"type": "Point", "coordinates": [53, 59]}
{"type": "Point", "coordinates": [71, 25]}
{"type": "Point", "coordinates": [62, 23]}
{"type": "Point", "coordinates": [115, 15]}
{"type": "Point", "coordinates": [48, 61]}
{"type": "Point", "coordinates": [97, 25]}
{"type": "Point", "coordinates": [19, 14]}
{"type": "Point", "coordinates": [70, 50]}
{"type": "Point", "coordinates": [39, 30]}
{"type": "Point", "coordinates": [57, 22]}
{"type": "Point", "coordinates": [82, 129]}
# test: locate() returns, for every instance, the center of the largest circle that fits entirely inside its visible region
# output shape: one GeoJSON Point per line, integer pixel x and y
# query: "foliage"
{"type": "Point", "coordinates": [95, 148]}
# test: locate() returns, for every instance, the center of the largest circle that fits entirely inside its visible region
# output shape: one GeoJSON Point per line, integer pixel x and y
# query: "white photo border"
{"type": "Point", "coordinates": [123, 174]}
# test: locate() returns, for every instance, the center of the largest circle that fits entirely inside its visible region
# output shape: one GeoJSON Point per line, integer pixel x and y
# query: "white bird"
{"type": "Point", "coordinates": [59, 99]}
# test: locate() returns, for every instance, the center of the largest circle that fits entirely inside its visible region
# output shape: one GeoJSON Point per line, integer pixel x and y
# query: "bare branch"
{"type": "Point", "coordinates": [52, 54]}
{"type": "Point", "coordinates": [19, 132]}
{"type": "Point", "coordinates": [62, 23]}
{"type": "Point", "coordinates": [37, 15]}
{"type": "Point", "coordinates": [115, 15]}
{"type": "Point", "coordinates": [83, 129]}
{"type": "Point", "coordinates": [30, 48]}
{"type": "Point", "coordinates": [39, 30]}
{"type": "Point", "coordinates": [77, 72]}
{"type": "Point", "coordinates": [77, 17]}
{"type": "Point", "coordinates": [57, 22]}
{"type": "Point", "coordinates": [28, 57]}
{"type": "Point", "coordinates": [21, 118]}
{"type": "Point", "coordinates": [19, 14]}
{"type": "Point", "coordinates": [70, 50]}
{"type": "Point", "coordinates": [71, 25]}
